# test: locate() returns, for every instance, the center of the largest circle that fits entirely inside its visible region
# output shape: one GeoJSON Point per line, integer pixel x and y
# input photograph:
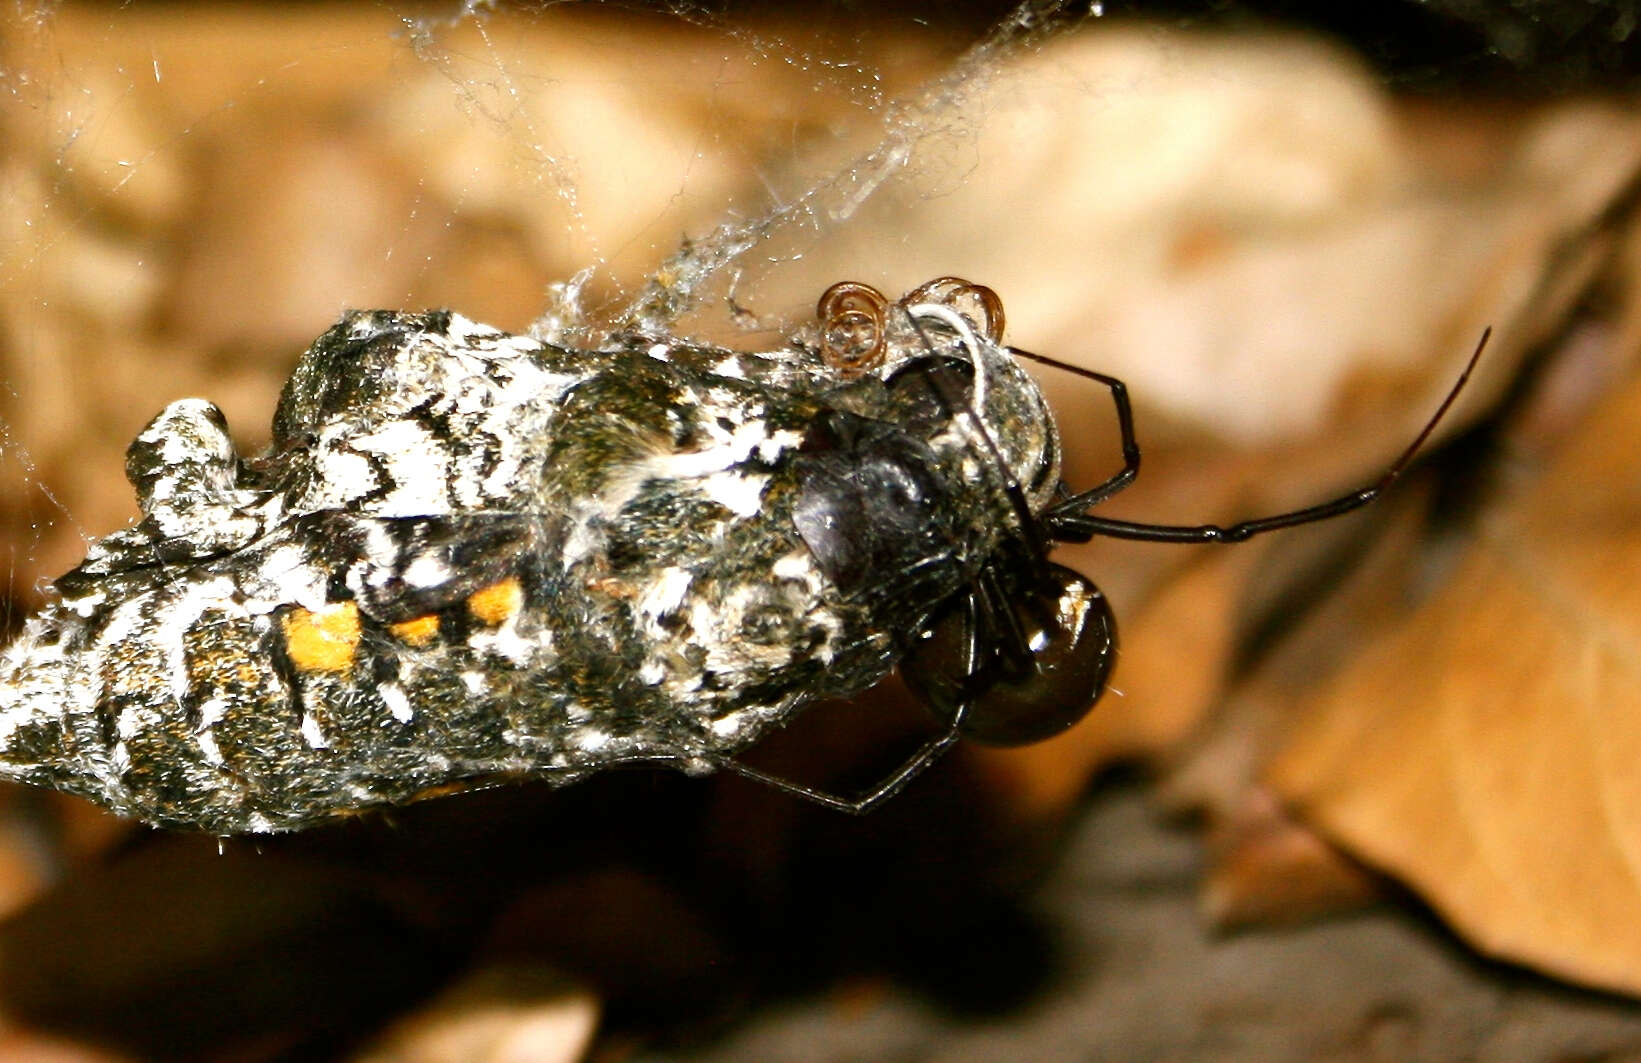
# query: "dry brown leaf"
{"type": "Point", "coordinates": [1267, 868]}
{"type": "Point", "coordinates": [1487, 751]}
{"type": "Point", "coordinates": [1263, 866]}
{"type": "Point", "coordinates": [495, 1015]}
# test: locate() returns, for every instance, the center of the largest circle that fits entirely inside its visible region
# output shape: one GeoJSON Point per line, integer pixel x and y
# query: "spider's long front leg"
{"type": "Point", "coordinates": [1068, 522]}
{"type": "Point", "coordinates": [1083, 500]}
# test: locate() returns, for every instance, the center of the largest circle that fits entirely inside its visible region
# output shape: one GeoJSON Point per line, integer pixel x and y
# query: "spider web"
{"type": "Point", "coordinates": [195, 193]}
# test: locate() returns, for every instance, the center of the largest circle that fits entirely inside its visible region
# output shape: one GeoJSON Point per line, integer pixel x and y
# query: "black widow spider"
{"type": "Point", "coordinates": [1024, 652]}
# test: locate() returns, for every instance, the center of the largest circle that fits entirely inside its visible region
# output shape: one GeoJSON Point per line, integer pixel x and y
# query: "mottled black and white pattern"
{"type": "Point", "coordinates": [469, 555]}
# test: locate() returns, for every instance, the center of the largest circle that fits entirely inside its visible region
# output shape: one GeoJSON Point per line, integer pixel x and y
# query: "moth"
{"type": "Point", "coordinates": [470, 556]}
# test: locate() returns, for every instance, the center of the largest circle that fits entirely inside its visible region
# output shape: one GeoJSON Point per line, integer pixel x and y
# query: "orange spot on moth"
{"type": "Point", "coordinates": [496, 603]}
{"type": "Point", "coordinates": [326, 641]}
{"type": "Point", "coordinates": [417, 631]}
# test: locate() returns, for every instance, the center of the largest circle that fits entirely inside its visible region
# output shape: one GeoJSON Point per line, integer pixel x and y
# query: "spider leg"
{"type": "Point", "coordinates": [1067, 524]}
{"type": "Point", "coordinates": [913, 766]}
{"type": "Point", "coordinates": [889, 786]}
{"type": "Point", "coordinates": [997, 617]}
{"type": "Point", "coordinates": [1125, 426]}
{"type": "Point", "coordinates": [1080, 527]}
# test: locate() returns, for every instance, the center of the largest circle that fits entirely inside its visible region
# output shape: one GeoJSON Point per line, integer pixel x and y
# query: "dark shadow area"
{"type": "Point", "coordinates": [680, 901]}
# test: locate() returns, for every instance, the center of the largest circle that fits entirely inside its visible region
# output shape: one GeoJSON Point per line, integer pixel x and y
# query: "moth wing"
{"type": "Point", "coordinates": [399, 568]}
